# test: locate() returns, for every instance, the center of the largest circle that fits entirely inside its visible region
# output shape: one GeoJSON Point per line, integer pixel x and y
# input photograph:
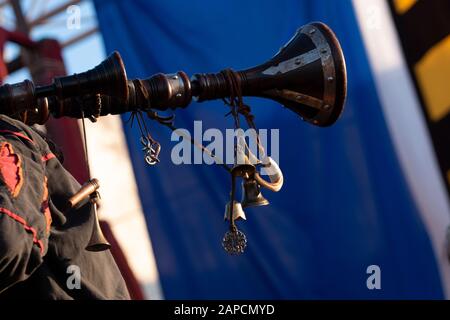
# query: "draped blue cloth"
{"type": "Point", "coordinates": [345, 204]}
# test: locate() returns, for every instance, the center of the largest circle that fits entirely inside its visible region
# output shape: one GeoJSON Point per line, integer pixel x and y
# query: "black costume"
{"type": "Point", "coordinates": [39, 242]}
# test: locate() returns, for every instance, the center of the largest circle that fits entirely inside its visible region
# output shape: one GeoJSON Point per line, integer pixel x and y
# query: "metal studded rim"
{"type": "Point", "coordinates": [328, 66]}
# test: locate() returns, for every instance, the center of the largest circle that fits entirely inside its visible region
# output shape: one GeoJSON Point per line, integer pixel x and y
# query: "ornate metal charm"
{"type": "Point", "coordinates": [151, 150]}
{"type": "Point", "coordinates": [234, 242]}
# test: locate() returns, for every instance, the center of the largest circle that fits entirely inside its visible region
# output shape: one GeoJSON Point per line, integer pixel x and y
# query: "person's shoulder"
{"type": "Point", "coordinates": [6, 121]}
{"type": "Point", "coordinates": [14, 129]}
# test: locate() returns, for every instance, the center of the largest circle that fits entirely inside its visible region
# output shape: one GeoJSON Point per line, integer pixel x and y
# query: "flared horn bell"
{"type": "Point", "coordinates": [307, 76]}
{"type": "Point", "coordinates": [108, 78]}
{"type": "Point", "coordinates": [251, 194]}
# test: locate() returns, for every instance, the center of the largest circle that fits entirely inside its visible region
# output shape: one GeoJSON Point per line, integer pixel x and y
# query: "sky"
{"type": "Point", "coordinates": [78, 57]}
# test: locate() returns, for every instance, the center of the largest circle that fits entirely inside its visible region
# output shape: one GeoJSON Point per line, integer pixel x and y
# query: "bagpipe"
{"type": "Point", "coordinates": [307, 76]}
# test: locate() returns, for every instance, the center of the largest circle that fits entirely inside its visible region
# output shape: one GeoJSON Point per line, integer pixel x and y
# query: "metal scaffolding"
{"type": "Point", "coordinates": [28, 15]}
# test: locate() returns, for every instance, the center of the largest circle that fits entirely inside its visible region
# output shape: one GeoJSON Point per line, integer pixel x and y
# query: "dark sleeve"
{"type": "Point", "coordinates": [101, 277]}
{"type": "Point", "coordinates": [36, 197]}
{"type": "Point", "coordinates": [24, 218]}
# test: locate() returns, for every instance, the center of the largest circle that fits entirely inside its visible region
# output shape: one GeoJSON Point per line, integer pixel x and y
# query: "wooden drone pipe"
{"type": "Point", "coordinates": [307, 76]}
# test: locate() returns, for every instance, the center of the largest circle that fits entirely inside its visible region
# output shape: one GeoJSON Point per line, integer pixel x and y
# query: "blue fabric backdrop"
{"type": "Point", "coordinates": [345, 204]}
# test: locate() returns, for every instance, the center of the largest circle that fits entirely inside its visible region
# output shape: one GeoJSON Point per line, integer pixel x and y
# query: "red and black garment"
{"type": "Point", "coordinates": [39, 243]}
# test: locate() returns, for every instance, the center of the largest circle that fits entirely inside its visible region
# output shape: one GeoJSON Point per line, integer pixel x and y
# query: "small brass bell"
{"type": "Point", "coordinates": [251, 194]}
{"type": "Point", "coordinates": [243, 170]}
{"type": "Point", "coordinates": [238, 212]}
{"type": "Point", "coordinates": [98, 241]}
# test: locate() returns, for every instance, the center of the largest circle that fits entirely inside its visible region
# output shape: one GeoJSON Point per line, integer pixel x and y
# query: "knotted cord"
{"type": "Point", "coordinates": [238, 107]}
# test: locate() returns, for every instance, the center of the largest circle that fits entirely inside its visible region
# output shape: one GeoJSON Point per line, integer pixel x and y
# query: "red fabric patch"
{"type": "Point", "coordinates": [48, 157]}
{"type": "Point", "coordinates": [22, 221]}
{"type": "Point", "coordinates": [18, 134]}
{"type": "Point", "coordinates": [11, 169]}
{"type": "Point", "coordinates": [46, 209]}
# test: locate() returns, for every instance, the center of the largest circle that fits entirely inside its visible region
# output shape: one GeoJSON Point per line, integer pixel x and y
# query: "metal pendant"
{"type": "Point", "coordinates": [234, 242]}
{"type": "Point", "coordinates": [151, 149]}
{"type": "Point", "coordinates": [238, 212]}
